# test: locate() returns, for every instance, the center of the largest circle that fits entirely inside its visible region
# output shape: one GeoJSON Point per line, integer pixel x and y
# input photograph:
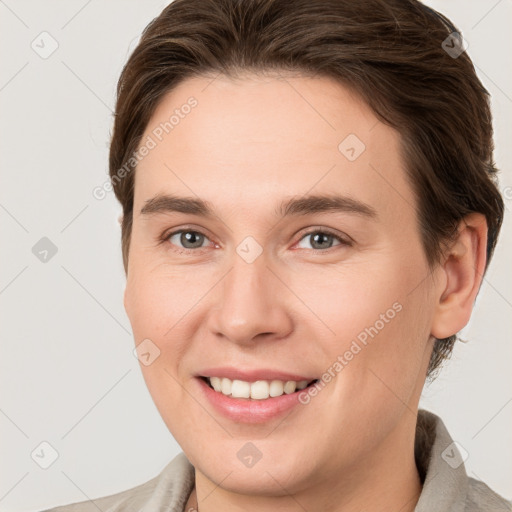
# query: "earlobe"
{"type": "Point", "coordinates": [463, 268]}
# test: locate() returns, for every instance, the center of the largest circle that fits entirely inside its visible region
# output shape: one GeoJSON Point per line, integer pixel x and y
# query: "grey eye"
{"type": "Point", "coordinates": [188, 239]}
{"type": "Point", "coordinates": [320, 240]}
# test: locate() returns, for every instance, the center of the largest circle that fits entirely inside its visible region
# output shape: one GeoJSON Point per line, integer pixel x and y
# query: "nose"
{"type": "Point", "coordinates": [251, 304]}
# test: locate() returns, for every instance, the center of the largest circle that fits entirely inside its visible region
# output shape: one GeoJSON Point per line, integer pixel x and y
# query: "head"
{"type": "Point", "coordinates": [265, 129]}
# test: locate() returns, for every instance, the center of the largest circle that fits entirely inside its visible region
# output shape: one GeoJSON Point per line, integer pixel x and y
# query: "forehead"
{"type": "Point", "coordinates": [241, 140]}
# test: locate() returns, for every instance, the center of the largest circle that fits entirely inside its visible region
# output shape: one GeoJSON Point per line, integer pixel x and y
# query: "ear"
{"type": "Point", "coordinates": [462, 272]}
{"type": "Point", "coordinates": [120, 219]}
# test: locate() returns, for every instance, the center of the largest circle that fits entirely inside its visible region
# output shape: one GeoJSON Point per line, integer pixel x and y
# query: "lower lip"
{"type": "Point", "coordinates": [247, 410]}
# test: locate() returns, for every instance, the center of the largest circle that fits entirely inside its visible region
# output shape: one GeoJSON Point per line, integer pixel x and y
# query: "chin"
{"type": "Point", "coordinates": [264, 479]}
{"type": "Point", "coordinates": [276, 473]}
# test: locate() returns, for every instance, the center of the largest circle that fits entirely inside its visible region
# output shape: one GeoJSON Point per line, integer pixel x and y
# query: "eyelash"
{"type": "Point", "coordinates": [324, 231]}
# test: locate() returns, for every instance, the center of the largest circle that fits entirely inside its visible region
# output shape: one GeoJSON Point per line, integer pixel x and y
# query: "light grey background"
{"type": "Point", "coordinates": [68, 374]}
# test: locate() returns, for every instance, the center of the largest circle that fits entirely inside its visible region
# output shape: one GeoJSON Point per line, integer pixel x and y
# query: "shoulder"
{"type": "Point", "coordinates": [171, 488]}
{"type": "Point", "coordinates": [446, 484]}
{"type": "Point", "coordinates": [481, 497]}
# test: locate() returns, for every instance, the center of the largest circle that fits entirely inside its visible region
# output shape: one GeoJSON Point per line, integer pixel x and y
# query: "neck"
{"type": "Point", "coordinates": [386, 480]}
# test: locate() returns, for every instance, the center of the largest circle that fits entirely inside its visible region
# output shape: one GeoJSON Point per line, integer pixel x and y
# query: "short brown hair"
{"type": "Point", "coordinates": [391, 52]}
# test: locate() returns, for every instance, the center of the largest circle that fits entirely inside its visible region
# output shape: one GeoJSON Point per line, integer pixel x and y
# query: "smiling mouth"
{"type": "Point", "coordinates": [257, 390]}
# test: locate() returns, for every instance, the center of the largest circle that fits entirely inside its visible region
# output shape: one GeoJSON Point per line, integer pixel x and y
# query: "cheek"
{"type": "Point", "coordinates": [156, 300]}
{"type": "Point", "coordinates": [157, 307]}
{"type": "Point", "coordinates": [357, 302]}
{"type": "Point", "coordinates": [376, 358]}
{"type": "Point", "coordinates": [163, 306]}
{"type": "Point", "coordinates": [380, 320]}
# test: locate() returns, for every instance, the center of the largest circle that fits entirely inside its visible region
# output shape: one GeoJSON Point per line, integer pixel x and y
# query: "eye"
{"type": "Point", "coordinates": [190, 240]}
{"type": "Point", "coordinates": [187, 239]}
{"type": "Point", "coordinates": [320, 239]}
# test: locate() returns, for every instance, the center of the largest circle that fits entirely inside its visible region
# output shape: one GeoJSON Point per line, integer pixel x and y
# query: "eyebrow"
{"type": "Point", "coordinates": [294, 206]}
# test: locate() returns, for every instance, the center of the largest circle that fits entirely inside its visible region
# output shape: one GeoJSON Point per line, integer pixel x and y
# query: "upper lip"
{"type": "Point", "coordinates": [252, 375]}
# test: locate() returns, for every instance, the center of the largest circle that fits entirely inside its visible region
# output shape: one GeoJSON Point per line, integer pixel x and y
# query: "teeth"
{"type": "Point", "coordinates": [276, 388]}
{"type": "Point", "coordinates": [215, 382]}
{"type": "Point", "coordinates": [225, 386]}
{"type": "Point", "coordinates": [302, 384]}
{"type": "Point", "coordinates": [290, 386]}
{"type": "Point", "coordinates": [240, 389]}
{"type": "Point", "coordinates": [259, 390]}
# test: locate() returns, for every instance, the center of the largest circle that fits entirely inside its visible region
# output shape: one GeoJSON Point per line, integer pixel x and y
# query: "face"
{"type": "Point", "coordinates": [243, 275]}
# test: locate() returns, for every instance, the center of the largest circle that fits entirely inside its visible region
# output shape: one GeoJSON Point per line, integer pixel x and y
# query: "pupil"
{"type": "Point", "coordinates": [322, 236]}
{"type": "Point", "coordinates": [191, 237]}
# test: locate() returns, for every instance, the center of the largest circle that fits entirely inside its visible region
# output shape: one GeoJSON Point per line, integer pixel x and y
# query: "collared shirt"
{"type": "Point", "coordinates": [446, 485]}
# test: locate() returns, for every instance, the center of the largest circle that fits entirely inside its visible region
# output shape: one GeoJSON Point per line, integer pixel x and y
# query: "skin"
{"type": "Point", "coordinates": [250, 143]}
